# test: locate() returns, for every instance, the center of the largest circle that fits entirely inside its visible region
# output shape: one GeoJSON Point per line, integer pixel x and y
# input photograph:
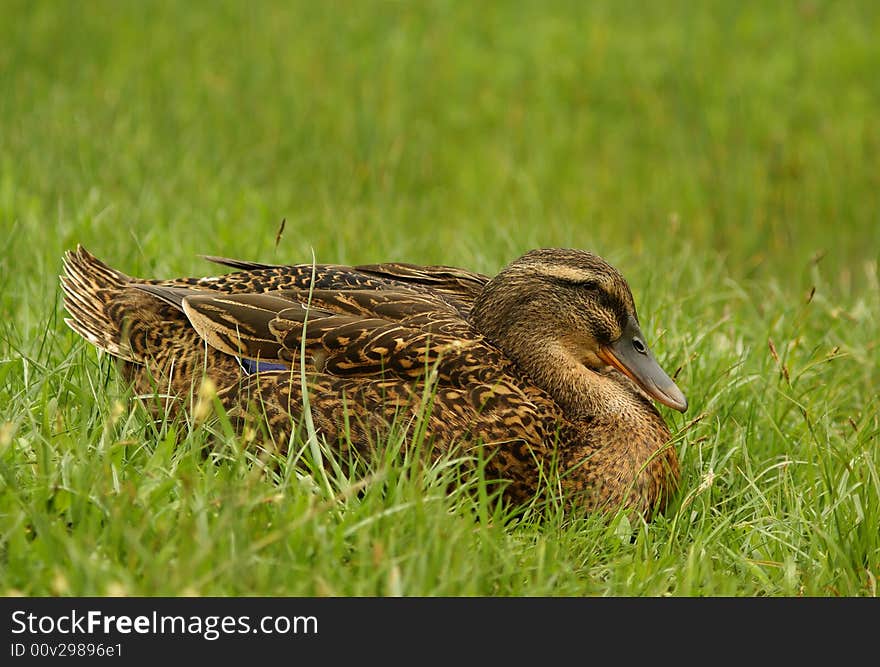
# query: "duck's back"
{"type": "Point", "coordinates": [454, 286]}
{"type": "Point", "coordinates": [116, 313]}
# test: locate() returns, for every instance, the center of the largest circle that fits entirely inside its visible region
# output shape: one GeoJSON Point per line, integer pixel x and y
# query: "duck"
{"type": "Point", "coordinates": [542, 367]}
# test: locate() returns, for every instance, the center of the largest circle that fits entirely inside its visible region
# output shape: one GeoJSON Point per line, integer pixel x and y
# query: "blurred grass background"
{"type": "Point", "coordinates": [724, 155]}
{"type": "Point", "coordinates": [445, 130]}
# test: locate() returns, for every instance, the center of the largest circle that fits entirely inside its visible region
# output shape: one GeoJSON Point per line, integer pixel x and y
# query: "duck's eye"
{"type": "Point", "coordinates": [640, 347]}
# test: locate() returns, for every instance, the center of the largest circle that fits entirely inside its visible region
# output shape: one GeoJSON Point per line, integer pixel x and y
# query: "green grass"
{"type": "Point", "coordinates": [723, 155]}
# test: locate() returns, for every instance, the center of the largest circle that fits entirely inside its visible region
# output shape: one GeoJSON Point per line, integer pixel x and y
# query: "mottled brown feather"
{"type": "Point", "coordinates": [375, 338]}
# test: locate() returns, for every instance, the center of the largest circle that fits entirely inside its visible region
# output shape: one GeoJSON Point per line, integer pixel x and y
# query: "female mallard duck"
{"type": "Point", "coordinates": [543, 363]}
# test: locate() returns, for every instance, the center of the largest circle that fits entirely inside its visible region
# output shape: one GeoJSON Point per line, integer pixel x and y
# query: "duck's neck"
{"type": "Point", "coordinates": [579, 391]}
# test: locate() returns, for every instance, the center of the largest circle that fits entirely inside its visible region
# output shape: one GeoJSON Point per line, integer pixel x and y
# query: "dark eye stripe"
{"type": "Point", "coordinates": [582, 284]}
{"type": "Point", "coordinates": [606, 299]}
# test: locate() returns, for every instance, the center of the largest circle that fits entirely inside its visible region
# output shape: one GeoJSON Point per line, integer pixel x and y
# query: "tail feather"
{"type": "Point", "coordinates": [143, 326]}
{"type": "Point", "coordinates": [90, 287]}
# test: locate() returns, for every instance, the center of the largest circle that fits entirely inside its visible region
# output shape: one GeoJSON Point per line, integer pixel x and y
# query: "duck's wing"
{"type": "Point", "coordinates": [454, 282]}
{"type": "Point", "coordinates": [457, 287]}
{"type": "Point", "coordinates": [353, 333]}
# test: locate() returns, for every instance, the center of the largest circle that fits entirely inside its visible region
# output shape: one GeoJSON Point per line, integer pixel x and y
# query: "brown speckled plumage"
{"type": "Point", "coordinates": [517, 364]}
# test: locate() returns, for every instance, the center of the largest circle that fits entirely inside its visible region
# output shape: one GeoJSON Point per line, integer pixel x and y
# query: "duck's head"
{"type": "Point", "coordinates": [571, 306]}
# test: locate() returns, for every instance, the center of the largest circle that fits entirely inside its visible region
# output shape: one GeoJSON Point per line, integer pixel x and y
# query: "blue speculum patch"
{"type": "Point", "coordinates": [252, 366]}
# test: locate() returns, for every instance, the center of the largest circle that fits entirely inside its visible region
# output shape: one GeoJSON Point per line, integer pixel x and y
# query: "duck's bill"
{"type": "Point", "coordinates": [632, 357]}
